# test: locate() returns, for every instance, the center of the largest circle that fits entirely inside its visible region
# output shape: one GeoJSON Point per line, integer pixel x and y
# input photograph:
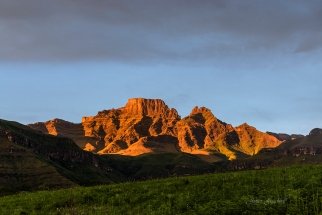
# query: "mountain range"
{"type": "Point", "coordinates": [150, 126]}
{"type": "Point", "coordinates": [144, 139]}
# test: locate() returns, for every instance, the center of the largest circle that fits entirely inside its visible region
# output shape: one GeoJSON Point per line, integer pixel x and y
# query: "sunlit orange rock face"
{"type": "Point", "coordinates": [150, 126]}
{"type": "Point", "coordinates": [202, 130]}
{"type": "Point", "coordinates": [59, 127]}
{"type": "Point", "coordinates": [251, 141]}
{"type": "Point", "coordinates": [121, 128]}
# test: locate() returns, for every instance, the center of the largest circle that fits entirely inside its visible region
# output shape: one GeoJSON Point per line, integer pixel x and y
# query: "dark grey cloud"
{"type": "Point", "coordinates": [143, 30]}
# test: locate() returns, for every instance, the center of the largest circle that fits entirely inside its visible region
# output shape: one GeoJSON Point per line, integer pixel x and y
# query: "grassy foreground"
{"type": "Point", "coordinates": [292, 190]}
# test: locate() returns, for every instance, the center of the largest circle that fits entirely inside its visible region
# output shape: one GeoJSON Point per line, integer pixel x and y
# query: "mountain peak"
{"type": "Point", "coordinates": [201, 110]}
{"type": "Point", "coordinates": [245, 125]}
{"type": "Point", "coordinates": [316, 131]}
{"type": "Point", "coordinates": [58, 121]}
{"type": "Point", "coordinates": [148, 107]}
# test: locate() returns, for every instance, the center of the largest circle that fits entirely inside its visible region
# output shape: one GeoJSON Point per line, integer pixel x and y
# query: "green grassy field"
{"type": "Point", "coordinates": [292, 190]}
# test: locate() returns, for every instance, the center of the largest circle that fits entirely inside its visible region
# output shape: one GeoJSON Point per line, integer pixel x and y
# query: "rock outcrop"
{"type": "Point", "coordinates": [59, 127]}
{"type": "Point", "coordinates": [117, 129]}
{"type": "Point", "coordinates": [251, 141]}
{"type": "Point", "coordinates": [152, 144]}
{"type": "Point", "coordinates": [201, 130]}
{"type": "Point", "coordinates": [150, 126]}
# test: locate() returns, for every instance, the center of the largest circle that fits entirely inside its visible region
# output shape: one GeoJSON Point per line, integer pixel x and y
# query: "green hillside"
{"type": "Point", "coordinates": [31, 160]}
{"type": "Point", "coordinates": [22, 170]}
{"type": "Point", "coordinates": [292, 190]}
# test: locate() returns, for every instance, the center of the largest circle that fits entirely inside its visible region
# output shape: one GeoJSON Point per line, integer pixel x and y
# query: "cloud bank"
{"type": "Point", "coordinates": [145, 30]}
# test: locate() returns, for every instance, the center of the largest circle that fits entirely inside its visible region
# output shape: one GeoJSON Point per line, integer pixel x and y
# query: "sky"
{"type": "Point", "coordinates": [253, 61]}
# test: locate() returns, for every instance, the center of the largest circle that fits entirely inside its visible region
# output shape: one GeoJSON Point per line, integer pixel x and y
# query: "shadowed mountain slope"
{"type": "Point", "coordinates": [32, 160]}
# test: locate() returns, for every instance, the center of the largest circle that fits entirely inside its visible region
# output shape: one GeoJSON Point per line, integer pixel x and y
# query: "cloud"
{"type": "Point", "coordinates": [314, 42]}
{"type": "Point", "coordinates": [145, 30]}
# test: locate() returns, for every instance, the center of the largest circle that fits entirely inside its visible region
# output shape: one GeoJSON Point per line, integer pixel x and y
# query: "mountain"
{"type": "Point", "coordinates": [201, 130]}
{"type": "Point", "coordinates": [150, 126]}
{"type": "Point", "coordinates": [62, 128]}
{"type": "Point", "coordinates": [284, 137]}
{"type": "Point", "coordinates": [32, 160]}
{"type": "Point", "coordinates": [252, 140]}
{"type": "Point", "coordinates": [21, 169]}
{"type": "Point", "coordinates": [308, 145]}
{"type": "Point", "coordinates": [301, 150]}
{"type": "Point", "coordinates": [160, 144]}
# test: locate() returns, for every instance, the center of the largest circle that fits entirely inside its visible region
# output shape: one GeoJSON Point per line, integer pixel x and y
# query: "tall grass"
{"type": "Point", "coordinates": [292, 190]}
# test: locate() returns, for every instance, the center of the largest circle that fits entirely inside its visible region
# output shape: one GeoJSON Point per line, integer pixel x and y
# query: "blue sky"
{"type": "Point", "coordinates": [249, 61]}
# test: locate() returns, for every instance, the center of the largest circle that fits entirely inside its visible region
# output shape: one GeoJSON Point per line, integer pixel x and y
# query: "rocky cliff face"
{"type": "Point", "coordinates": [59, 127]}
{"type": "Point", "coordinates": [150, 126]}
{"type": "Point", "coordinates": [117, 129]}
{"type": "Point", "coordinates": [251, 141]}
{"type": "Point", "coordinates": [202, 130]}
